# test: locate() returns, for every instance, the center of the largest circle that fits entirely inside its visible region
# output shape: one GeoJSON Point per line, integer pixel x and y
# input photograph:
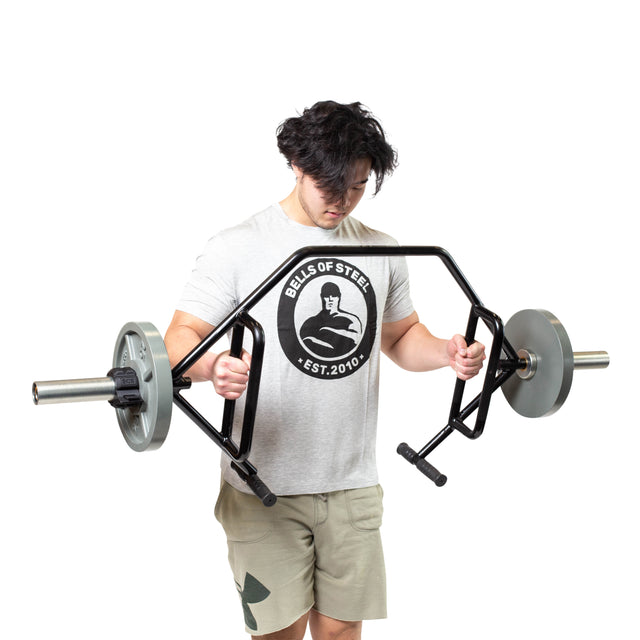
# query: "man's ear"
{"type": "Point", "coordinates": [297, 171]}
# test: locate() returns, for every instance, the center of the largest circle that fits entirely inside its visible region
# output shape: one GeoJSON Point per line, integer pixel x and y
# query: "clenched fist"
{"type": "Point", "coordinates": [230, 375]}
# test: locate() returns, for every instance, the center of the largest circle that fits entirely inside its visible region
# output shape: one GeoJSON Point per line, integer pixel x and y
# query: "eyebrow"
{"type": "Point", "coordinates": [362, 181]}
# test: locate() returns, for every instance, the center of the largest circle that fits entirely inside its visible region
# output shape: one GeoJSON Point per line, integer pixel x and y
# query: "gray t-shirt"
{"type": "Point", "coordinates": [315, 428]}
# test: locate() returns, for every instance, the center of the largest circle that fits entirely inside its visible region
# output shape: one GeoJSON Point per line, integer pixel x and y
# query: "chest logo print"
{"type": "Point", "coordinates": [327, 318]}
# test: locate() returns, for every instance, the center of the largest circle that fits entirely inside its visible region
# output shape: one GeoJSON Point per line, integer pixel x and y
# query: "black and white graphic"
{"type": "Point", "coordinates": [327, 318]}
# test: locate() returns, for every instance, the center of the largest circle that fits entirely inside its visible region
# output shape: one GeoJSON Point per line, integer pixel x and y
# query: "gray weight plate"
{"type": "Point", "coordinates": [140, 346]}
{"type": "Point", "coordinates": [541, 333]}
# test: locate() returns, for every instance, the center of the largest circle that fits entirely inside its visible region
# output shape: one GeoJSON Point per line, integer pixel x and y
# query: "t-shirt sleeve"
{"type": "Point", "coordinates": [210, 293]}
{"type": "Point", "coordinates": [399, 304]}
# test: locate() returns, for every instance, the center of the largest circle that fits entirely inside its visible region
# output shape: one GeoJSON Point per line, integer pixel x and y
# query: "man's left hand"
{"type": "Point", "coordinates": [465, 360]}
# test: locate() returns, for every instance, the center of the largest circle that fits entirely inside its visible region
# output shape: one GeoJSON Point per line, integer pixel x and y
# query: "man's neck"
{"type": "Point", "coordinates": [293, 209]}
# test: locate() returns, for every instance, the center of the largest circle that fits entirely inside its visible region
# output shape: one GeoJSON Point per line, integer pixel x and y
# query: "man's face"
{"type": "Point", "coordinates": [320, 212]}
{"type": "Point", "coordinates": [331, 303]}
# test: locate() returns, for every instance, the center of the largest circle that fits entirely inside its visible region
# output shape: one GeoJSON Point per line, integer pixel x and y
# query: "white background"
{"type": "Point", "coordinates": [132, 131]}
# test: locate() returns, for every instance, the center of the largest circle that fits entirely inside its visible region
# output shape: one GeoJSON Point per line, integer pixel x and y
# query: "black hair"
{"type": "Point", "coordinates": [328, 138]}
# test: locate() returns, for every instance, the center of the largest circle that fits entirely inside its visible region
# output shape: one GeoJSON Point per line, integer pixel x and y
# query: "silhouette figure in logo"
{"type": "Point", "coordinates": [332, 332]}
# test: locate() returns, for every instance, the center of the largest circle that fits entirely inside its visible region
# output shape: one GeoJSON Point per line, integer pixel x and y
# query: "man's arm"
{"type": "Point", "coordinates": [229, 375]}
{"type": "Point", "coordinates": [413, 347]}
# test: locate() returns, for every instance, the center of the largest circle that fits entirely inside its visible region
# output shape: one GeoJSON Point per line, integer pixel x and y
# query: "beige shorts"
{"type": "Point", "coordinates": [318, 551]}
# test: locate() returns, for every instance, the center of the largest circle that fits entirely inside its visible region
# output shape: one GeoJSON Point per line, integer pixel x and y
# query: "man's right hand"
{"type": "Point", "coordinates": [230, 375]}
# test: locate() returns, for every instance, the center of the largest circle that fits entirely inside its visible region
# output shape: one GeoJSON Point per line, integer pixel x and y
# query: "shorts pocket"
{"type": "Point", "coordinates": [365, 508]}
{"type": "Point", "coordinates": [242, 516]}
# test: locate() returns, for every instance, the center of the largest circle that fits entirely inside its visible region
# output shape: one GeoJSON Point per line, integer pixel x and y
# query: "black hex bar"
{"type": "Point", "coordinates": [498, 369]}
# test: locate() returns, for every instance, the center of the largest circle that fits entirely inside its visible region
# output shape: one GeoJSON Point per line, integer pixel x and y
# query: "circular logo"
{"type": "Point", "coordinates": [327, 318]}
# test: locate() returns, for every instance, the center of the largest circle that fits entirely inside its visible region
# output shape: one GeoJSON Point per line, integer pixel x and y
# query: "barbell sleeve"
{"type": "Point", "coordinates": [81, 390]}
{"type": "Point", "coordinates": [590, 359]}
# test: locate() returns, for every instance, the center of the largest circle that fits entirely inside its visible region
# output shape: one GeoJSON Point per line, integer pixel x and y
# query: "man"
{"type": "Point", "coordinates": [314, 558]}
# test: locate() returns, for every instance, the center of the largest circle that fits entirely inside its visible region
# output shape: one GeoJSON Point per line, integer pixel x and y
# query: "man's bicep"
{"type": "Point", "coordinates": [182, 319]}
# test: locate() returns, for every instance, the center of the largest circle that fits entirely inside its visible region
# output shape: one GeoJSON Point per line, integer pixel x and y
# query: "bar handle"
{"type": "Point", "coordinates": [261, 490]}
{"type": "Point", "coordinates": [249, 474]}
{"type": "Point", "coordinates": [423, 466]}
{"type": "Point", "coordinates": [240, 452]}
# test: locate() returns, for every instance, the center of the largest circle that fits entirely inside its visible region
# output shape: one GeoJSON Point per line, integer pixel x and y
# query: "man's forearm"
{"type": "Point", "coordinates": [179, 342]}
{"type": "Point", "coordinates": [419, 350]}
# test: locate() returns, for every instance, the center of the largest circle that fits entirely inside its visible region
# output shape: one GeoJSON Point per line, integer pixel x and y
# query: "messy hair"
{"type": "Point", "coordinates": [328, 138]}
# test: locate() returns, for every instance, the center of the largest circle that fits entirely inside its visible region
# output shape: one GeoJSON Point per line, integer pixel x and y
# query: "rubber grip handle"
{"type": "Point", "coordinates": [423, 466]}
{"type": "Point", "coordinates": [261, 490]}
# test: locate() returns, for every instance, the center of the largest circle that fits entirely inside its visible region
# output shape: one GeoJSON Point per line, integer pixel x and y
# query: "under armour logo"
{"type": "Point", "coordinates": [254, 591]}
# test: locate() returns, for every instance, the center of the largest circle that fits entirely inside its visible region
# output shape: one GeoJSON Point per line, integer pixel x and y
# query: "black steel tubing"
{"type": "Point", "coordinates": [239, 319]}
{"type": "Point", "coordinates": [223, 437]}
{"type": "Point", "coordinates": [226, 444]}
{"type": "Point", "coordinates": [315, 251]}
{"type": "Point", "coordinates": [456, 419]}
{"type": "Point", "coordinates": [229, 410]}
{"type": "Point", "coordinates": [253, 387]}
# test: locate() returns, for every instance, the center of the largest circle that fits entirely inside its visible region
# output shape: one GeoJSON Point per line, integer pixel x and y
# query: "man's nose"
{"type": "Point", "coordinates": [342, 202]}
